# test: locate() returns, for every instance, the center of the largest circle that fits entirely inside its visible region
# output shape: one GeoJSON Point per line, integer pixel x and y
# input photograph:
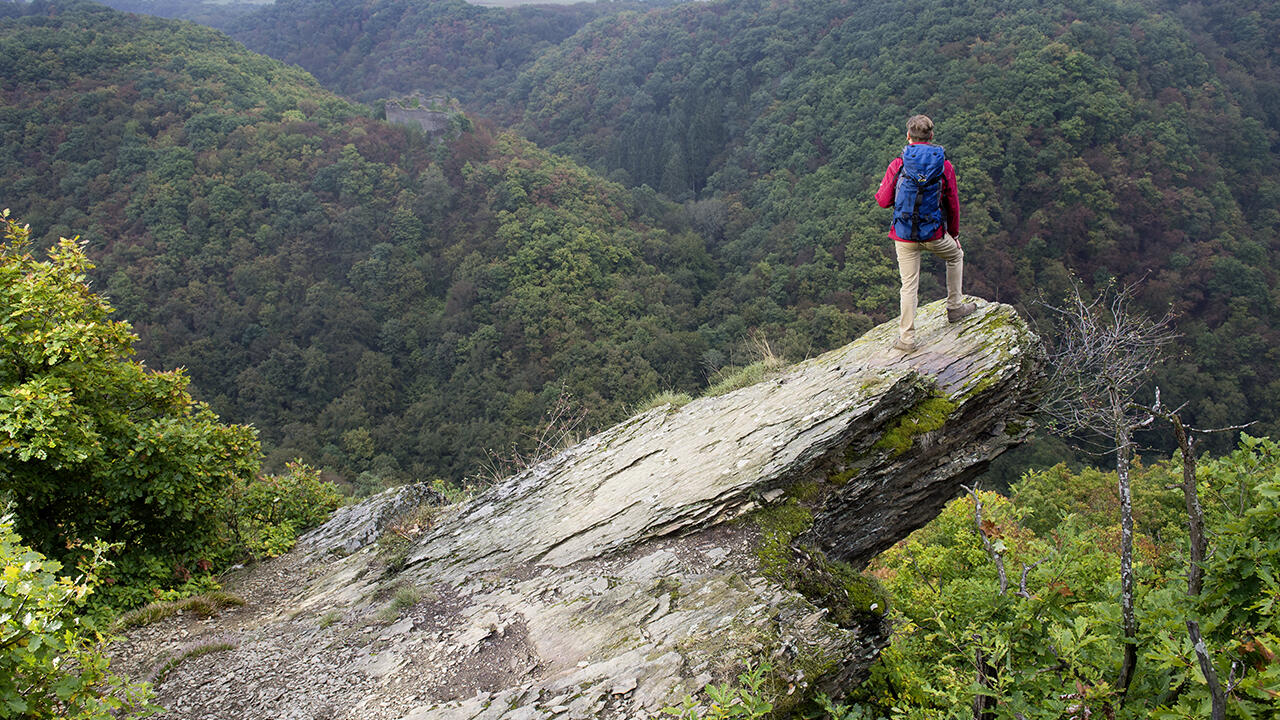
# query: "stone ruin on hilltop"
{"type": "Point", "coordinates": [634, 568]}
{"type": "Point", "coordinates": [433, 114]}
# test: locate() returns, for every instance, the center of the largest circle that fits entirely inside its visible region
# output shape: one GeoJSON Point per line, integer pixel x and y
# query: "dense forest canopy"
{"type": "Point", "coordinates": [214, 13]}
{"type": "Point", "coordinates": [680, 182]}
{"type": "Point", "coordinates": [368, 51]}
{"type": "Point", "coordinates": [375, 303]}
{"type": "Point", "coordinates": [1100, 139]}
{"type": "Point", "coordinates": [392, 309]}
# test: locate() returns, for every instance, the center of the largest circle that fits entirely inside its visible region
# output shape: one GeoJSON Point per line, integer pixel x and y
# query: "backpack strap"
{"type": "Point", "coordinates": [915, 210]}
{"type": "Point", "coordinates": [915, 216]}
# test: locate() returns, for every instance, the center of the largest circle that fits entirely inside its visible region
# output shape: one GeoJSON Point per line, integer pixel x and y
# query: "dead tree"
{"type": "Point", "coordinates": [984, 706]}
{"type": "Point", "coordinates": [1103, 355]}
{"type": "Point", "coordinates": [1199, 546]}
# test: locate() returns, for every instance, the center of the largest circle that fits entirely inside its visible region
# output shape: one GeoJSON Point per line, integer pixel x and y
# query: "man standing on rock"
{"type": "Point", "coordinates": [921, 186]}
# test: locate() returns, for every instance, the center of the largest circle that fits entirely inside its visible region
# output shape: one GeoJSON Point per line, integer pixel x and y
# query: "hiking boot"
{"type": "Point", "coordinates": [958, 314]}
{"type": "Point", "coordinates": [905, 347]}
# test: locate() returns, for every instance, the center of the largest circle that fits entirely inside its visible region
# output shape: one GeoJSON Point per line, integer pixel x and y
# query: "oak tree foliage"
{"type": "Point", "coordinates": [95, 445]}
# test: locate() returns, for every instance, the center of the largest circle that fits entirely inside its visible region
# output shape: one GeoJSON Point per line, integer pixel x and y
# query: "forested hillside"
{"type": "Point", "coordinates": [386, 307]}
{"type": "Point", "coordinates": [369, 51]}
{"type": "Point", "coordinates": [637, 199]}
{"type": "Point", "coordinates": [1100, 139]}
{"type": "Point", "coordinates": [373, 303]}
{"type": "Point", "coordinates": [214, 13]}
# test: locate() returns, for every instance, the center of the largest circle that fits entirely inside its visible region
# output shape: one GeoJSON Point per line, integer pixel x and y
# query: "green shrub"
{"type": "Point", "coordinates": [1052, 641]}
{"type": "Point", "coordinates": [52, 665]}
{"type": "Point", "coordinates": [266, 514]}
{"type": "Point", "coordinates": [148, 575]}
{"type": "Point", "coordinates": [97, 445]}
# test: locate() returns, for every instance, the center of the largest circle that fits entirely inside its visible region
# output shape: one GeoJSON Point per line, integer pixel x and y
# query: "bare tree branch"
{"type": "Point", "coordinates": [1195, 569]}
{"type": "Point", "coordinates": [1104, 354]}
{"type": "Point", "coordinates": [1232, 681]}
{"type": "Point", "coordinates": [1218, 700]}
{"type": "Point", "coordinates": [1191, 495]}
{"type": "Point", "coordinates": [983, 705]}
{"type": "Point", "coordinates": [1227, 428]}
{"type": "Point", "coordinates": [986, 542]}
{"type": "Point", "coordinates": [1022, 584]}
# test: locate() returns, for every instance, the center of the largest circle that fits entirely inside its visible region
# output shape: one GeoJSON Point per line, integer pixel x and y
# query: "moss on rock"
{"type": "Point", "coordinates": [928, 415]}
{"type": "Point", "coordinates": [779, 524]}
{"type": "Point", "coordinates": [851, 598]}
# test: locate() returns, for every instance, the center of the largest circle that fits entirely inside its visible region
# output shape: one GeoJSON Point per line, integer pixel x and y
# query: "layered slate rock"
{"type": "Point", "coordinates": [662, 554]}
{"type": "Point", "coordinates": [353, 527]}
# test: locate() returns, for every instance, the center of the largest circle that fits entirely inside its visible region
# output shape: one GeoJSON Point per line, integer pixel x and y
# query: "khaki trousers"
{"type": "Point", "coordinates": [947, 248]}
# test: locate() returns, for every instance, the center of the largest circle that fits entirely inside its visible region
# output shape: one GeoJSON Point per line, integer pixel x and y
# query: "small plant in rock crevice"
{"type": "Point", "coordinates": [745, 700]}
{"type": "Point", "coordinates": [406, 596]}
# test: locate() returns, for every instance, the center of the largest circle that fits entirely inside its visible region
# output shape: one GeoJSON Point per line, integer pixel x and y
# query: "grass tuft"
{"type": "Point", "coordinates": [675, 399]}
{"type": "Point", "coordinates": [206, 604]}
{"type": "Point", "coordinates": [728, 379]}
{"type": "Point", "coordinates": [732, 378]}
{"type": "Point", "coordinates": [405, 597]}
{"type": "Point", "coordinates": [192, 652]}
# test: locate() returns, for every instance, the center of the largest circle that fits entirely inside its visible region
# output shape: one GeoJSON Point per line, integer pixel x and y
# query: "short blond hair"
{"type": "Point", "coordinates": [920, 128]}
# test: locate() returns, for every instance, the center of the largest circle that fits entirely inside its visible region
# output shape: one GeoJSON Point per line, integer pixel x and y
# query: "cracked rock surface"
{"type": "Point", "coordinates": [613, 579]}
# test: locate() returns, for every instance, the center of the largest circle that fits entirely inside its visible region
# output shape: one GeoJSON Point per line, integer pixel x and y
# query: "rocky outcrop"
{"type": "Point", "coordinates": [353, 527]}
{"type": "Point", "coordinates": [651, 559]}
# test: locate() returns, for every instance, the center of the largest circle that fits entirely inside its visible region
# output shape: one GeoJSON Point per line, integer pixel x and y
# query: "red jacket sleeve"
{"type": "Point", "coordinates": [889, 185]}
{"type": "Point", "coordinates": [950, 198]}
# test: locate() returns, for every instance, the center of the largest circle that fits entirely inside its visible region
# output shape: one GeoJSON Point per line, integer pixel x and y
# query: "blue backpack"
{"type": "Point", "coordinates": [917, 201]}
